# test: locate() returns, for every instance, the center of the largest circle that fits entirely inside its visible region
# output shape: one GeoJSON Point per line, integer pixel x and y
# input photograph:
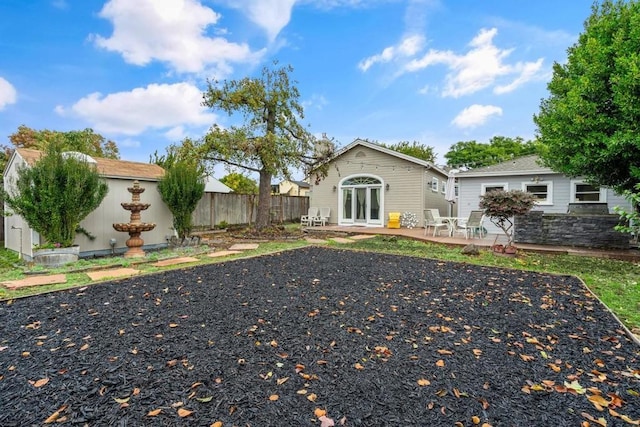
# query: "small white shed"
{"type": "Point", "coordinates": [119, 175]}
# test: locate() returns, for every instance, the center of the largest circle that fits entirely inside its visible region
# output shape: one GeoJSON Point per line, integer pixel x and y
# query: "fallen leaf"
{"type": "Point", "coordinates": [84, 347]}
{"type": "Point", "coordinates": [216, 424]}
{"type": "Point", "coordinates": [274, 397]}
{"type": "Point", "coordinates": [326, 422]}
{"type": "Point", "coordinates": [281, 381]}
{"type": "Point", "coordinates": [204, 399]}
{"type": "Point", "coordinates": [154, 412]}
{"type": "Point", "coordinates": [440, 363]}
{"type": "Point", "coordinates": [312, 397]}
{"type": "Point", "coordinates": [475, 419]}
{"type": "Point", "coordinates": [599, 401]}
{"type": "Point", "coordinates": [121, 399]}
{"type": "Point", "coordinates": [40, 382]}
{"type": "Point", "coordinates": [423, 382]}
{"type": "Point", "coordinates": [136, 391]}
{"type": "Point", "coordinates": [184, 412]}
{"type": "Point", "coordinates": [53, 417]}
{"type": "Point", "coordinates": [358, 366]}
{"type": "Point", "coordinates": [319, 412]}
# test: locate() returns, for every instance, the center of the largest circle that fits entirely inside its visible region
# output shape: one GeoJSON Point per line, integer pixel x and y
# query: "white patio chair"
{"type": "Point", "coordinates": [322, 218]}
{"type": "Point", "coordinates": [430, 221]}
{"type": "Point", "coordinates": [471, 225]}
{"type": "Point", "coordinates": [307, 220]}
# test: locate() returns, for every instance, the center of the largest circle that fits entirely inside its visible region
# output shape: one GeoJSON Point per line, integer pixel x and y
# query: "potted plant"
{"type": "Point", "coordinates": [53, 196]}
{"type": "Point", "coordinates": [500, 206]}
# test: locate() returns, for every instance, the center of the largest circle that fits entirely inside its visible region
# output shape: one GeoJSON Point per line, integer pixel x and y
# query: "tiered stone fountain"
{"type": "Point", "coordinates": [134, 227]}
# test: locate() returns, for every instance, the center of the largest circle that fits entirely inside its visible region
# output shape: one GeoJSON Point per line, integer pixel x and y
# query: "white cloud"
{"type": "Point", "coordinates": [476, 115]}
{"type": "Point", "coordinates": [408, 47]}
{"type": "Point", "coordinates": [170, 31]}
{"type": "Point", "coordinates": [158, 106]}
{"type": "Point", "coordinates": [316, 101]}
{"type": "Point", "coordinates": [479, 68]}
{"type": "Point", "coordinates": [527, 71]}
{"type": "Point", "coordinates": [8, 94]}
{"type": "Point", "coordinates": [272, 15]}
{"type": "Point", "coordinates": [176, 133]}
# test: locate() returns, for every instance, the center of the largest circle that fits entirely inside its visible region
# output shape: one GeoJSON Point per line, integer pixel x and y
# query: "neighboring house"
{"type": "Point", "coordinates": [212, 185]}
{"type": "Point", "coordinates": [554, 190]}
{"type": "Point", "coordinates": [366, 181]}
{"type": "Point", "coordinates": [293, 188]}
{"type": "Point", "coordinates": [119, 175]}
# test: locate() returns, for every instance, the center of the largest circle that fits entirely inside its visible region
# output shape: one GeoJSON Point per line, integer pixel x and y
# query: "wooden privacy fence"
{"type": "Point", "coordinates": [231, 208]}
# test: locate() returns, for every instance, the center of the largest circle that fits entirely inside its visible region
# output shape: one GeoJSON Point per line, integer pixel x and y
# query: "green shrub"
{"type": "Point", "coordinates": [181, 189]}
{"type": "Point", "coordinates": [55, 194]}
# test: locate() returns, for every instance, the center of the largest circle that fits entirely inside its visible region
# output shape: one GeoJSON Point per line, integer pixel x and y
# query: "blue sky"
{"type": "Point", "coordinates": [437, 72]}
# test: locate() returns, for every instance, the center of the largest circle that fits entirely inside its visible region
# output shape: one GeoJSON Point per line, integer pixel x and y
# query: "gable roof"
{"type": "Point", "coordinates": [213, 185]}
{"type": "Point", "coordinates": [301, 184]}
{"type": "Point", "coordinates": [390, 152]}
{"type": "Point", "coordinates": [525, 165]}
{"type": "Point", "coordinates": [108, 168]}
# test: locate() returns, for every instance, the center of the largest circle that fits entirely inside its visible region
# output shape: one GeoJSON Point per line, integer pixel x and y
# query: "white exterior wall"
{"type": "Point", "coordinates": [470, 190]}
{"type": "Point", "coordinates": [408, 191]}
{"type": "Point", "coordinates": [17, 234]}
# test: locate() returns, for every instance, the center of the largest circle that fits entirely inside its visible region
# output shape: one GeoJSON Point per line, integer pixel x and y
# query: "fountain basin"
{"type": "Point", "coordinates": [134, 228]}
{"type": "Point", "coordinates": [135, 206]}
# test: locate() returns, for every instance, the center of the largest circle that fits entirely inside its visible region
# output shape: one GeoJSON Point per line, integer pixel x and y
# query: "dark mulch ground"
{"type": "Point", "coordinates": [375, 340]}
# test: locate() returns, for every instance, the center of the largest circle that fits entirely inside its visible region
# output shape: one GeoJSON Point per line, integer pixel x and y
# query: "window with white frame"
{"type": "Point", "coordinates": [443, 187]}
{"type": "Point", "coordinates": [581, 192]}
{"type": "Point", "coordinates": [434, 184]}
{"type": "Point", "coordinates": [492, 186]}
{"type": "Point", "coordinates": [541, 190]}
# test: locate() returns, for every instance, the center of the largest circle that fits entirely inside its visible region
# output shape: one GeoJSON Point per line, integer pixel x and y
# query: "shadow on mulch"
{"type": "Point", "coordinates": [375, 340]}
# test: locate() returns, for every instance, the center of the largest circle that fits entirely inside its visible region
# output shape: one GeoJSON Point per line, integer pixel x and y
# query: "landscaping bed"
{"type": "Point", "coordinates": [315, 336]}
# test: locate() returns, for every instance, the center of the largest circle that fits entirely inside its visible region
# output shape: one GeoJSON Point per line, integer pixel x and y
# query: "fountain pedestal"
{"type": "Point", "coordinates": [135, 226]}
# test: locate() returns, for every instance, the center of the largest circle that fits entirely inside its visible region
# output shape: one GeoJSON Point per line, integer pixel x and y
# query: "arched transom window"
{"type": "Point", "coordinates": [361, 180]}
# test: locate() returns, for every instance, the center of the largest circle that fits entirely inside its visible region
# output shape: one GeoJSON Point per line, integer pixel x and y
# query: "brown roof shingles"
{"type": "Point", "coordinates": [109, 168]}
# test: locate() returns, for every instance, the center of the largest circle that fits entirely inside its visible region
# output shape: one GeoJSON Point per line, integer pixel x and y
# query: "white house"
{"type": "Point", "coordinates": [119, 175]}
{"type": "Point", "coordinates": [553, 190]}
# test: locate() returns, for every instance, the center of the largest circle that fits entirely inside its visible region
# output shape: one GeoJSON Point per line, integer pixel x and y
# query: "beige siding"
{"type": "Point", "coordinates": [407, 183]}
{"type": "Point", "coordinates": [100, 222]}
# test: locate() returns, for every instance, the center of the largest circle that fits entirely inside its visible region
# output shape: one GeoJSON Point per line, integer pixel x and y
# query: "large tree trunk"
{"type": "Point", "coordinates": [263, 216]}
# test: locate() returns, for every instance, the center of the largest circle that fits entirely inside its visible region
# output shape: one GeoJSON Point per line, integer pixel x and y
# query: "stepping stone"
{"type": "Point", "coordinates": [342, 240]}
{"type": "Point", "coordinates": [312, 240]}
{"type": "Point", "coordinates": [222, 253]}
{"type": "Point", "coordinates": [244, 246]}
{"type": "Point", "coordinates": [174, 261]}
{"type": "Point", "coordinates": [362, 236]}
{"type": "Point", "coordinates": [112, 273]}
{"type": "Point", "coordinates": [35, 281]}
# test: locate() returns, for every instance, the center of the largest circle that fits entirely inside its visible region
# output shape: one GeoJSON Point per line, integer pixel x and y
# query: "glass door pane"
{"type": "Point", "coordinates": [374, 213]}
{"type": "Point", "coordinates": [361, 205]}
{"type": "Point", "coordinates": [347, 203]}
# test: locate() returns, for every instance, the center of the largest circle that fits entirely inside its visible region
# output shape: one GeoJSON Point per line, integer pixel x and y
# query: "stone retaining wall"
{"type": "Point", "coordinates": [592, 231]}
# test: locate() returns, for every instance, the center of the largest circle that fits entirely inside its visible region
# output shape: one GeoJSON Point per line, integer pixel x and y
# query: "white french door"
{"type": "Point", "coordinates": [361, 201]}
